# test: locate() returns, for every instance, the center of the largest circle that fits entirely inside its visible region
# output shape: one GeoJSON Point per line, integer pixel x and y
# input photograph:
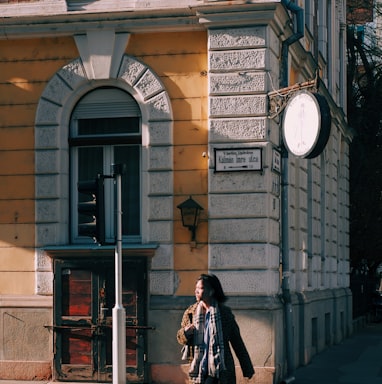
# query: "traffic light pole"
{"type": "Point", "coordinates": [119, 314]}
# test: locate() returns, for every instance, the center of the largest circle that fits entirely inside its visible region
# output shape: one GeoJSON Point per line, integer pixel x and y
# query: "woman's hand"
{"type": "Point", "coordinates": [189, 330]}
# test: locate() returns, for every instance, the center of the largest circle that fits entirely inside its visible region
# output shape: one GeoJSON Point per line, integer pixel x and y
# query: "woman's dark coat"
{"type": "Point", "coordinates": [231, 336]}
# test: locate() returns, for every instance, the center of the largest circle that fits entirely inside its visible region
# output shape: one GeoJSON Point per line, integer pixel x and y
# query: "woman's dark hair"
{"type": "Point", "coordinates": [212, 282]}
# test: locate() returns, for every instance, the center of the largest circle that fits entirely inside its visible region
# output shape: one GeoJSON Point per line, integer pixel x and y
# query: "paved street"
{"type": "Point", "coordinates": [357, 360]}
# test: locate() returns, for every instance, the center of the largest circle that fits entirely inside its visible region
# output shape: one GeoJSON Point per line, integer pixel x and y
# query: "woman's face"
{"type": "Point", "coordinates": [201, 292]}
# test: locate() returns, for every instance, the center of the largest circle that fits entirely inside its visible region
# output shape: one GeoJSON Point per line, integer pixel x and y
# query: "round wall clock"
{"type": "Point", "coordinates": [306, 124]}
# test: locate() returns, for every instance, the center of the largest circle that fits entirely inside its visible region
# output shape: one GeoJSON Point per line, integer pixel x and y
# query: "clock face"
{"type": "Point", "coordinates": [304, 133]}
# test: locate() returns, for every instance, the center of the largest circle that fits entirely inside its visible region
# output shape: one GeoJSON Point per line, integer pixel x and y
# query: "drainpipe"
{"type": "Point", "coordinates": [287, 300]}
{"type": "Point", "coordinates": [299, 12]}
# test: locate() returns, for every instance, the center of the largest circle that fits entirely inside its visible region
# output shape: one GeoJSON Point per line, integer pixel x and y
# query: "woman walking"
{"type": "Point", "coordinates": [208, 329]}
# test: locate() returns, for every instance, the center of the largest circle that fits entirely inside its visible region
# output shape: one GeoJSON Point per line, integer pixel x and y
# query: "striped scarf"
{"type": "Point", "coordinates": [215, 353]}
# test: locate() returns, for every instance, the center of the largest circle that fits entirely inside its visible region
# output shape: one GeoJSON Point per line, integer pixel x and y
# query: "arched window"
{"type": "Point", "coordinates": [105, 129]}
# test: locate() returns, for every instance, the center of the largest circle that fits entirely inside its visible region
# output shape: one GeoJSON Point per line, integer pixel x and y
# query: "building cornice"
{"type": "Point", "coordinates": [177, 16]}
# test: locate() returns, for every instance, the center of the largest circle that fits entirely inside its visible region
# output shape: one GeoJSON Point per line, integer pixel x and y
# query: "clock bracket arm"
{"type": "Point", "coordinates": [278, 99]}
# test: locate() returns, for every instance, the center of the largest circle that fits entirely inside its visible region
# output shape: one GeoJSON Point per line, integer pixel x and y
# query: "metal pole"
{"type": "Point", "coordinates": [119, 314]}
{"type": "Point", "coordinates": [288, 307]}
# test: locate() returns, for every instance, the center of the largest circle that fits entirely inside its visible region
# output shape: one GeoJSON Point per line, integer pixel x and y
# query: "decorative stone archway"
{"type": "Point", "coordinates": [60, 96]}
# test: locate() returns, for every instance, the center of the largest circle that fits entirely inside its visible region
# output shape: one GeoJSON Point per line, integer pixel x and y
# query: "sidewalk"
{"type": "Point", "coordinates": [357, 360]}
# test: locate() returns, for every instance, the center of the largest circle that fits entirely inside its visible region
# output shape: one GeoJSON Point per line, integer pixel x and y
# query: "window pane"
{"type": "Point", "coordinates": [77, 286]}
{"type": "Point", "coordinates": [90, 162]}
{"type": "Point", "coordinates": [106, 129]}
{"type": "Point", "coordinates": [109, 126]}
{"type": "Point", "coordinates": [131, 205]}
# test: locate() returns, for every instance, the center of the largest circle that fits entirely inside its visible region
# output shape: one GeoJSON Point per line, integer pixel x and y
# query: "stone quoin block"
{"type": "Point", "coordinates": [160, 231]}
{"type": "Point", "coordinates": [237, 60]}
{"type": "Point", "coordinates": [162, 282]}
{"type": "Point", "coordinates": [249, 282]}
{"type": "Point", "coordinates": [160, 208]}
{"type": "Point", "coordinates": [160, 183]}
{"type": "Point", "coordinates": [238, 105]}
{"type": "Point", "coordinates": [237, 37]}
{"type": "Point", "coordinates": [237, 205]}
{"type": "Point", "coordinates": [242, 82]}
{"type": "Point", "coordinates": [241, 129]}
{"type": "Point", "coordinates": [243, 256]}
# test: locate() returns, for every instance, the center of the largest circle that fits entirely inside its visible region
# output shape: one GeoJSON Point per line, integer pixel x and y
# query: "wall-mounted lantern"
{"type": "Point", "coordinates": [190, 211]}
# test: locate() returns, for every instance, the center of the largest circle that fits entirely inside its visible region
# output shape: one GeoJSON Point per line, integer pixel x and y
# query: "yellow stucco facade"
{"type": "Point", "coordinates": [206, 78]}
{"type": "Point", "coordinates": [26, 67]}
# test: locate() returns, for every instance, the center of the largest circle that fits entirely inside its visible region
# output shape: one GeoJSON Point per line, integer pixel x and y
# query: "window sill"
{"type": "Point", "coordinates": [84, 251]}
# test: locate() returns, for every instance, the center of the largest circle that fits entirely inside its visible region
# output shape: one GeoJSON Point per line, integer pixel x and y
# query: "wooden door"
{"type": "Point", "coordinates": [84, 299]}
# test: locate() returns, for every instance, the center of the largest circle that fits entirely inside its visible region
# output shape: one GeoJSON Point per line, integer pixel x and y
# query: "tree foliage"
{"type": "Point", "coordinates": [364, 77]}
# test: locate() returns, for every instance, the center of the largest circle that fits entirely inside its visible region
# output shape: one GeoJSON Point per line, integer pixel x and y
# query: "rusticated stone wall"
{"type": "Point", "coordinates": [243, 216]}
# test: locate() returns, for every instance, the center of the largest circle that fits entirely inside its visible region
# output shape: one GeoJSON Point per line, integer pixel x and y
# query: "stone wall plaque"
{"type": "Point", "coordinates": [238, 159]}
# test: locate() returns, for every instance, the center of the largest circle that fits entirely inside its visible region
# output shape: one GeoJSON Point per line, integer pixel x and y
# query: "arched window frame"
{"type": "Point", "coordinates": [53, 114]}
{"type": "Point", "coordinates": [102, 105]}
